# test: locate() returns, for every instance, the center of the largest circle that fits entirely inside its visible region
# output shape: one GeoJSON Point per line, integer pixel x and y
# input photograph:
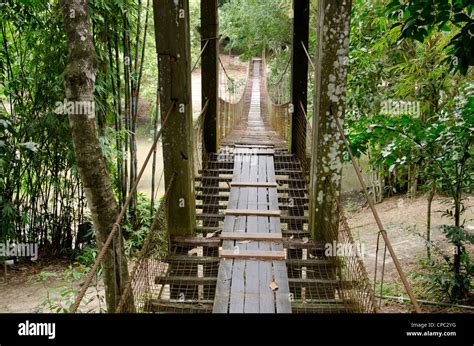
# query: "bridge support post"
{"type": "Point", "coordinates": [299, 77]}
{"type": "Point", "coordinates": [329, 102]}
{"type": "Point", "coordinates": [299, 89]}
{"type": "Point", "coordinates": [173, 49]}
{"type": "Point", "coordinates": [209, 74]}
{"type": "Point", "coordinates": [210, 94]}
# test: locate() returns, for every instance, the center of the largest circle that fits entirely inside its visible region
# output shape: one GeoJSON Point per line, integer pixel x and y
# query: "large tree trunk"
{"type": "Point", "coordinates": [329, 102]}
{"type": "Point", "coordinates": [79, 80]}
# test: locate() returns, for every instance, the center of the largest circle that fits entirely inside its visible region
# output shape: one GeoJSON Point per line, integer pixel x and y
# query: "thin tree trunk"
{"type": "Point", "coordinates": [431, 194]}
{"type": "Point", "coordinates": [79, 80]}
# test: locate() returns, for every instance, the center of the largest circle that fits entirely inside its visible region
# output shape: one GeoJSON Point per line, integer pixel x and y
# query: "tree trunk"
{"type": "Point", "coordinates": [79, 80]}
{"type": "Point", "coordinates": [174, 56]}
{"type": "Point", "coordinates": [431, 194]}
{"type": "Point", "coordinates": [329, 103]}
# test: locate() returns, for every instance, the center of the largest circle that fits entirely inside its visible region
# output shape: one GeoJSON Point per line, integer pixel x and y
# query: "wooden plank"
{"type": "Point", "coordinates": [255, 152]}
{"type": "Point", "coordinates": [252, 184]}
{"type": "Point", "coordinates": [255, 254]}
{"type": "Point", "coordinates": [227, 189]}
{"type": "Point", "coordinates": [267, 297]}
{"type": "Point", "coordinates": [161, 305]}
{"type": "Point", "coordinates": [191, 259]}
{"type": "Point", "coordinates": [224, 274]}
{"type": "Point", "coordinates": [252, 212]}
{"type": "Point", "coordinates": [222, 296]}
{"type": "Point", "coordinates": [283, 302]}
{"type": "Point", "coordinates": [196, 241]}
{"type": "Point", "coordinates": [283, 218]}
{"type": "Point", "coordinates": [237, 289]}
{"type": "Point", "coordinates": [248, 145]}
{"type": "Point", "coordinates": [184, 280]}
{"type": "Point", "coordinates": [252, 236]}
{"type": "Point", "coordinates": [251, 303]}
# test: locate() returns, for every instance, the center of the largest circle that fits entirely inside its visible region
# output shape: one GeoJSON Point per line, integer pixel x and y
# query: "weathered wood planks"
{"type": "Point", "coordinates": [252, 272]}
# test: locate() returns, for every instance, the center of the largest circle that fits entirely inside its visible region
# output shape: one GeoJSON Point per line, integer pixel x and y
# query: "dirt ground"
{"type": "Point", "coordinates": [25, 291]}
{"type": "Point", "coordinates": [37, 287]}
{"type": "Point", "coordinates": [405, 222]}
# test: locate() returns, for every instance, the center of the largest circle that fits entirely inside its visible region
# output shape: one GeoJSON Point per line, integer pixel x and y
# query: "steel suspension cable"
{"type": "Point", "coordinates": [308, 56]}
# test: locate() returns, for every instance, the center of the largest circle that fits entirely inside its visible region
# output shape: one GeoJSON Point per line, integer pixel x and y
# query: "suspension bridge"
{"type": "Point", "coordinates": [237, 216]}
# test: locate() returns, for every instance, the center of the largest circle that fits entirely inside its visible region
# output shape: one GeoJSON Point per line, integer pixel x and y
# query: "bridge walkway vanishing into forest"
{"type": "Point", "coordinates": [253, 253]}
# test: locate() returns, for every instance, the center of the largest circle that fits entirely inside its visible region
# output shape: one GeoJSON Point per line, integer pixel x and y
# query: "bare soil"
{"type": "Point", "coordinates": [405, 222]}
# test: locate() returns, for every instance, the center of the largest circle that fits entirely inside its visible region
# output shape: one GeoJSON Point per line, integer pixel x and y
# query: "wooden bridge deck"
{"type": "Point", "coordinates": [252, 274]}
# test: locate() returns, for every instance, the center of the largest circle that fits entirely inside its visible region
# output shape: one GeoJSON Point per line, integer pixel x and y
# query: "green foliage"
{"type": "Point", "coordinates": [443, 147]}
{"type": "Point", "coordinates": [40, 192]}
{"type": "Point", "coordinates": [450, 283]}
{"type": "Point", "coordinates": [255, 25]}
{"type": "Point", "coordinates": [87, 257]}
{"type": "Point", "coordinates": [419, 19]}
{"type": "Point", "coordinates": [136, 232]}
{"type": "Point", "coordinates": [195, 23]}
{"type": "Point", "coordinates": [383, 69]}
{"type": "Point", "coordinates": [39, 186]}
{"type": "Point", "coordinates": [61, 296]}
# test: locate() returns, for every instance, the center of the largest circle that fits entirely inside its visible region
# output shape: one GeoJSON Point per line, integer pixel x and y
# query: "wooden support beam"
{"type": "Point", "coordinates": [173, 49]}
{"type": "Point", "coordinates": [251, 236]}
{"type": "Point", "coordinates": [249, 151]}
{"type": "Point", "coordinates": [195, 241]}
{"type": "Point", "coordinates": [252, 254]}
{"type": "Point", "coordinates": [329, 102]}
{"type": "Point", "coordinates": [260, 146]}
{"type": "Point", "coordinates": [251, 184]}
{"type": "Point", "coordinates": [299, 77]}
{"type": "Point", "coordinates": [227, 188]}
{"type": "Point", "coordinates": [210, 95]}
{"type": "Point", "coordinates": [252, 212]}
{"type": "Point", "coordinates": [210, 74]}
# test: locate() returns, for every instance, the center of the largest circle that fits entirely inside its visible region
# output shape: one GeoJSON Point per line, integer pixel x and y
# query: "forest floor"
{"type": "Point", "coordinates": [28, 286]}
{"type": "Point", "coordinates": [405, 222]}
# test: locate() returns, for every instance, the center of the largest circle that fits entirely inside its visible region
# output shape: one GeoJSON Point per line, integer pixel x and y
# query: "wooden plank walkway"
{"type": "Point", "coordinates": [252, 276]}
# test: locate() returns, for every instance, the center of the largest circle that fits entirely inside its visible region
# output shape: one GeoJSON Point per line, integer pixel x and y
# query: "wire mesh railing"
{"type": "Point", "coordinates": [232, 101]}
{"type": "Point", "coordinates": [141, 288]}
{"type": "Point", "coordinates": [278, 102]}
{"type": "Point", "coordinates": [200, 156]}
